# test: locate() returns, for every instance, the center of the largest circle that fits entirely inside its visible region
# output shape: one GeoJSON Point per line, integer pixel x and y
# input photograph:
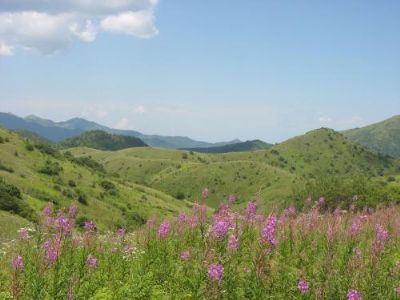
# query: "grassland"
{"type": "Point", "coordinates": [44, 176]}
{"type": "Point", "coordinates": [275, 174]}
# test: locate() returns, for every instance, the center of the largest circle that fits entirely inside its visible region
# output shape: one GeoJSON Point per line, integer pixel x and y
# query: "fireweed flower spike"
{"type": "Point", "coordinates": [216, 272]}
{"type": "Point", "coordinates": [303, 286]}
{"type": "Point", "coordinates": [89, 226]}
{"type": "Point", "coordinates": [185, 255]}
{"type": "Point", "coordinates": [163, 230]}
{"type": "Point", "coordinates": [72, 211]}
{"type": "Point", "coordinates": [354, 295]}
{"type": "Point", "coordinates": [92, 261]}
{"type": "Point", "coordinates": [17, 263]}
{"type": "Point", "coordinates": [268, 232]}
{"type": "Point", "coordinates": [233, 243]}
{"type": "Point", "coordinates": [251, 209]}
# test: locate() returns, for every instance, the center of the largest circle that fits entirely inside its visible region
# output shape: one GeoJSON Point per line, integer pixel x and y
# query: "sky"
{"type": "Point", "coordinates": [214, 70]}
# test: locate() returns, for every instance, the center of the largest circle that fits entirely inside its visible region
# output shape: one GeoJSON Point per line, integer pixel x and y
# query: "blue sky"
{"type": "Point", "coordinates": [211, 70]}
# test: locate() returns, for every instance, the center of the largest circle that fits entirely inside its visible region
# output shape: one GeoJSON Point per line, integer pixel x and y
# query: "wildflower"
{"type": "Point", "coordinates": [47, 211]}
{"type": "Point", "coordinates": [397, 290]}
{"type": "Point", "coordinates": [355, 227]}
{"type": "Point", "coordinates": [92, 261]}
{"type": "Point", "coordinates": [64, 225]}
{"type": "Point", "coordinates": [268, 232]}
{"type": "Point", "coordinates": [121, 232]}
{"type": "Point", "coordinates": [72, 211]}
{"type": "Point", "coordinates": [251, 209]}
{"type": "Point", "coordinates": [231, 199]}
{"type": "Point", "coordinates": [51, 255]}
{"type": "Point", "coordinates": [220, 227]}
{"type": "Point", "coordinates": [303, 286]}
{"type": "Point", "coordinates": [321, 201]}
{"type": "Point", "coordinates": [354, 295]}
{"type": "Point", "coordinates": [233, 243]}
{"type": "Point", "coordinates": [163, 230]}
{"type": "Point", "coordinates": [381, 233]}
{"type": "Point", "coordinates": [17, 263]}
{"type": "Point", "coordinates": [215, 272]}
{"type": "Point", "coordinates": [205, 193]}
{"type": "Point", "coordinates": [185, 255]}
{"type": "Point", "coordinates": [23, 234]}
{"type": "Point", "coordinates": [89, 226]}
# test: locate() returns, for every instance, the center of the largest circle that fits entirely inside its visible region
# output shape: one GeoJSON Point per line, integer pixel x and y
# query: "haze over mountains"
{"type": "Point", "coordinates": [382, 137]}
{"type": "Point", "coordinates": [59, 131]}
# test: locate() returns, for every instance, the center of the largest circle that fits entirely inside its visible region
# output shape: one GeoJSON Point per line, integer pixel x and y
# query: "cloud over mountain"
{"type": "Point", "coordinates": [48, 26]}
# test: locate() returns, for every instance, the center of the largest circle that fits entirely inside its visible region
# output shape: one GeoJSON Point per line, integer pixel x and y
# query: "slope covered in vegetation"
{"type": "Point", "coordinates": [382, 137]}
{"type": "Point", "coordinates": [101, 140]}
{"type": "Point", "coordinates": [32, 175]}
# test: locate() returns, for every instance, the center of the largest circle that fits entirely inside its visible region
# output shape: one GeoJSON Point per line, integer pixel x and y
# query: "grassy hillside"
{"type": "Point", "coordinates": [276, 174]}
{"type": "Point", "coordinates": [237, 147]}
{"type": "Point", "coordinates": [101, 140]}
{"type": "Point", "coordinates": [43, 175]}
{"type": "Point", "coordinates": [382, 137]}
{"type": "Point", "coordinates": [10, 224]}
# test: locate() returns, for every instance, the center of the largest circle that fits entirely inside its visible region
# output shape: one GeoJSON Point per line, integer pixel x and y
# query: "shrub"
{"type": "Point", "coordinates": [51, 168]}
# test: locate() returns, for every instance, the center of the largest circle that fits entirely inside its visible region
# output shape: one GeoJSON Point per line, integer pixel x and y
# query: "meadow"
{"type": "Point", "coordinates": [316, 253]}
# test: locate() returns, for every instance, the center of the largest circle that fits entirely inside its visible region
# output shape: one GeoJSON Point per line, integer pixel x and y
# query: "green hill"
{"type": "Point", "coordinates": [275, 174]}
{"type": "Point", "coordinates": [237, 147]}
{"type": "Point", "coordinates": [32, 176]}
{"type": "Point", "coordinates": [382, 137]}
{"type": "Point", "coordinates": [101, 140]}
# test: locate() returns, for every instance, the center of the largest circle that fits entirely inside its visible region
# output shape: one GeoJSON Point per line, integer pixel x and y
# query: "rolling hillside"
{"type": "Point", "coordinates": [101, 140]}
{"type": "Point", "coordinates": [274, 174]}
{"type": "Point", "coordinates": [32, 176]}
{"type": "Point", "coordinates": [237, 147]}
{"type": "Point", "coordinates": [382, 137]}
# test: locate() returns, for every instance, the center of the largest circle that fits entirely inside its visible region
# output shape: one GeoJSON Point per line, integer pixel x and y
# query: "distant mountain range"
{"type": "Point", "coordinates": [59, 131]}
{"type": "Point", "coordinates": [237, 147]}
{"type": "Point", "coordinates": [382, 137]}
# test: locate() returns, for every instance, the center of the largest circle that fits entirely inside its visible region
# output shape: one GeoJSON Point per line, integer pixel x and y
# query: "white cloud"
{"type": "Point", "coordinates": [86, 34]}
{"type": "Point", "coordinates": [139, 109]}
{"type": "Point", "coordinates": [123, 123]}
{"type": "Point", "coordinates": [48, 26]}
{"type": "Point", "coordinates": [140, 24]}
{"type": "Point", "coordinates": [6, 50]}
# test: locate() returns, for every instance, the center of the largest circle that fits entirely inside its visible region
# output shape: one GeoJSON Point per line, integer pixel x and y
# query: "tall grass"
{"type": "Point", "coordinates": [313, 254]}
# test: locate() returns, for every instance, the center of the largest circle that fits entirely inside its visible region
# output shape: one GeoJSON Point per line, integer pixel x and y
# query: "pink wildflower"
{"type": "Point", "coordinates": [17, 263]}
{"type": "Point", "coordinates": [220, 227]}
{"type": "Point", "coordinates": [233, 243]}
{"type": "Point", "coordinates": [354, 295]}
{"type": "Point", "coordinates": [303, 286]}
{"type": "Point", "coordinates": [381, 233]}
{"type": "Point", "coordinates": [92, 261]}
{"type": "Point", "coordinates": [231, 199]}
{"type": "Point", "coordinates": [185, 255]}
{"type": "Point", "coordinates": [268, 232]}
{"type": "Point", "coordinates": [251, 209]}
{"type": "Point", "coordinates": [163, 230]}
{"type": "Point", "coordinates": [216, 272]}
{"type": "Point", "coordinates": [121, 232]}
{"type": "Point", "coordinates": [72, 211]}
{"type": "Point", "coordinates": [23, 234]}
{"type": "Point", "coordinates": [89, 226]}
